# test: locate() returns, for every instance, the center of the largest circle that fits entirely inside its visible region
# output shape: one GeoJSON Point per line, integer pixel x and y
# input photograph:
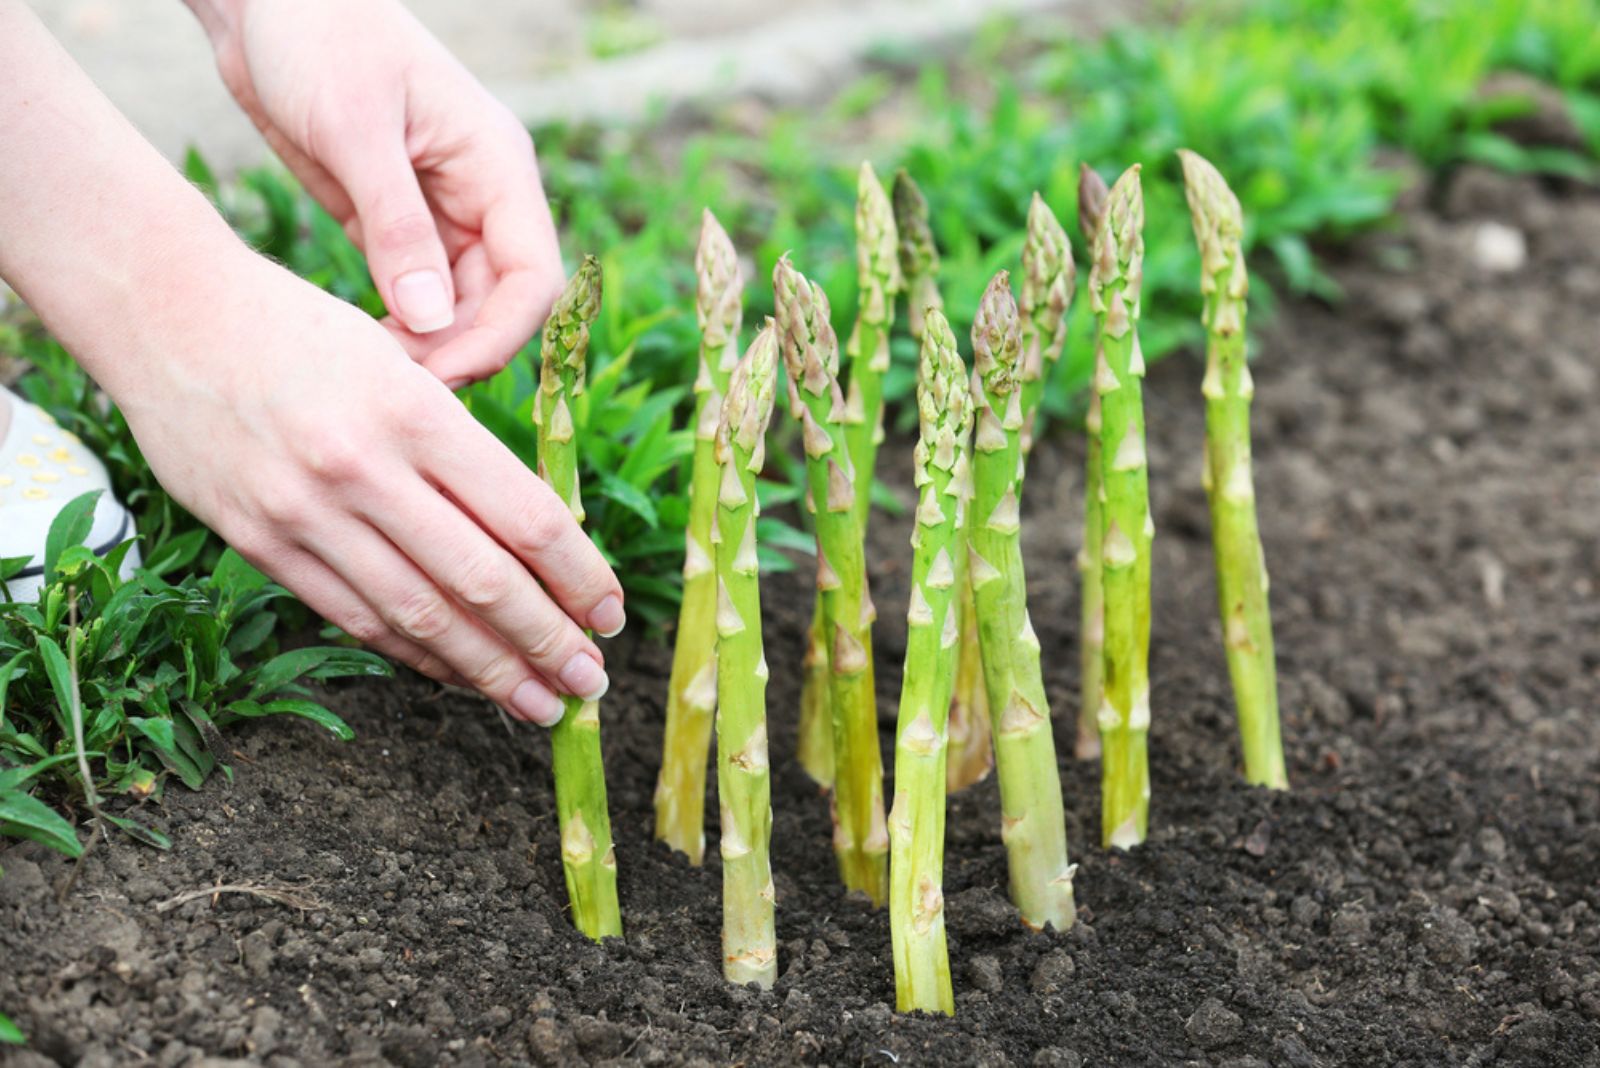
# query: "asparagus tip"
{"type": "Point", "coordinates": [718, 293]}
{"type": "Point", "coordinates": [996, 333]}
{"type": "Point", "coordinates": [1092, 194]}
{"type": "Point", "coordinates": [1216, 214]}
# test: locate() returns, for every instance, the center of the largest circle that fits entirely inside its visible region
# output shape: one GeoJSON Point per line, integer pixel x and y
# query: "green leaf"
{"type": "Point", "coordinates": [297, 706]}
{"type": "Point", "coordinates": [59, 671]}
{"type": "Point", "coordinates": [158, 731]}
{"type": "Point", "coordinates": [10, 1034]}
{"type": "Point", "coordinates": [175, 553]}
{"type": "Point", "coordinates": [25, 816]}
{"type": "Point", "coordinates": [317, 662]}
{"type": "Point", "coordinates": [630, 497]}
{"type": "Point", "coordinates": [138, 831]}
{"type": "Point", "coordinates": [70, 527]}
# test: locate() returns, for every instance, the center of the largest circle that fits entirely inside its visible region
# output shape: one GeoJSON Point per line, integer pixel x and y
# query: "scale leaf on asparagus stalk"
{"type": "Point", "coordinates": [878, 282]}
{"type": "Point", "coordinates": [1049, 279]}
{"type": "Point", "coordinates": [938, 539]}
{"type": "Point", "coordinates": [969, 757]}
{"type": "Point", "coordinates": [1092, 194]}
{"type": "Point", "coordinates": [1230, 487]}
{"type": "Point", "coordinates": [811, 358]}
{"type": "Point", "coordinates": [744, 787]}
{"type": "Point", "coordinates": [692, 691]}
{"type": "Point", "coordinates": [587, 856]}
{"type": "Point", "coordinates": [1033, 824]}
{"type": "Point", "coordinates": [1126, 528]}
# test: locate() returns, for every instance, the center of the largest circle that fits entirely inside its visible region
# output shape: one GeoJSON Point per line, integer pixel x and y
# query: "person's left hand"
{"type": "Point", "coordinates": [432, 178]}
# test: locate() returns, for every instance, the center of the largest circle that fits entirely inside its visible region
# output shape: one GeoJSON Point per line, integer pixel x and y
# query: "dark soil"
{"type": "Point", "coordinates": [1428, 462]}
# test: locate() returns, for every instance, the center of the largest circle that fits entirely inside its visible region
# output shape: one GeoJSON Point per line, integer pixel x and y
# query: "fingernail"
{"type": "Point", "coordinates": [608, 618]}
{"type": "Point", "coordinates": [457, 383]}
{"type": "Point", "coordinates": [584, 677]}
{"type": "Point", "coordinates": [422, 302]}
{"type": "Point", "coordinates": [532, 701]}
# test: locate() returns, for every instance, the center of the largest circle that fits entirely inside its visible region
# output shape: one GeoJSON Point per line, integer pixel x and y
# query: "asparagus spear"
{"type": "Point", "coordinates": [1048, 280]}
{"type": "Point", "coordinates": [879, 279]}
{"type": "Point", "coordinates": [919, 256]}
{"type": "Point", "coordinates": [1092, 194]}
{"type": "Point", "coordinates": [916, 822]}
{"type": "Point", "coordinates": [969, 755]}
{"type": "Point", "coordinates": [1241, 568]}
{"type": "Point", "coordinates": [749, 944]}
{"type": "Point", "coordinates": [692, 691]}
{"type": "Point", "coordinates": [1033, 824]}
{"type": "Point", "coordinates": [811, 357]}
{"type": "Point", "coordinates": [1126, 529]}
{"type": "Point", "coordinates": [587, 856]}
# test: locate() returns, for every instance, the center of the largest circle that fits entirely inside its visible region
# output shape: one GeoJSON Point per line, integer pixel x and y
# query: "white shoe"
{"type": "Point", "coordinates": [42, 467]}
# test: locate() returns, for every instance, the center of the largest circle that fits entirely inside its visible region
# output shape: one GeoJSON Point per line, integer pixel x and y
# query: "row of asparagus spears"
{"type": "Point", "coordinates": [973, 694]}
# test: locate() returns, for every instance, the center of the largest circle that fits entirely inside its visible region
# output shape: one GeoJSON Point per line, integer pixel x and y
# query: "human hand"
{"type": "Point", "coordinates": [293, 425]}
{"type": "Point", "coordinates": [432, 178]}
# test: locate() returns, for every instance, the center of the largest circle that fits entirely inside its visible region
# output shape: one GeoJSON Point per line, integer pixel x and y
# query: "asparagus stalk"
{"type": "Point", "coordinates": [969, 755]}
{"type": "Point", "coordinates": [1033, 824]}
{"type": "Point", "coordinates": [811, 357]}
{"type": "Point", "coordinates": [587, 856]}
{"type": "Point", "coordinates": [1230, 488]}
{"type": "Point", "coordinates": [879, 279]}
{"type": "Point", "coordinates": [692, 691]}
{"type": "Point", "coordinates": [1049, 278]}
{"type": "Point", "coordinates": [1092, 194]}
{"type": "Point", "coordinates": [749, 944]}
{"type": "Point", "coordinates": [919, 255]}
{"type": "Point", "coordinates": [938, 540]}
{"type": "Point", "coordinates": [1126, 529]}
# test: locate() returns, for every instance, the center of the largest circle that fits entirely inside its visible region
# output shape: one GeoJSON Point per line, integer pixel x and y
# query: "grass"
{"type": "Point", "coordinates": [1299, 100]}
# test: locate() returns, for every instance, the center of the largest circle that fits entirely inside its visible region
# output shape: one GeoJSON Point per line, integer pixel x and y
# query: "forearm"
{"type": "Point", "coordinates": [100, 235]}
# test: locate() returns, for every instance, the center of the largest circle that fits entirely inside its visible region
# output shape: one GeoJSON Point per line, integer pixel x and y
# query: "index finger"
{"type": "Point", "coordinates": [520, 511]}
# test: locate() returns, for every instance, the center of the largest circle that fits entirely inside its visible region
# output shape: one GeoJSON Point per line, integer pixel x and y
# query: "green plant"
{"type": "Point", "coordinates": [1033, 825]}
{"type": "Point", "coordinates": [587, 856]}
{"type": "Point", "coordinates": [1229, 484]}
{"type": "Point", "coordinates": [1092, 193]}
{"type": "Point", "coordinates": [943, 476]}
{"type": "Point", "coordinates": [1126, 530]}
{"type": "Point", "coordinates": [968, 754]}
{"type": "Point", "coordinates": [744, 786]}
{"type": "Point", "coordinates": [10, 1033]}
{"type": "Point", "coordinates": [136, 679]}
{"type": "Point", "coordinates": [692, 691]}
{"type": "Point", "coordinates": [1049, 281]}
{"type": "Point", "coordinates": [811, 357]}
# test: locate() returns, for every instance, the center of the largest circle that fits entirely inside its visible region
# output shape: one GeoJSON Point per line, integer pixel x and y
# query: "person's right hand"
{"type": "Point", "coordinates": [297, 428]}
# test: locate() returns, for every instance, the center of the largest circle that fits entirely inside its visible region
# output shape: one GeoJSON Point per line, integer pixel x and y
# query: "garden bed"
{"type": "Point", "coordinates": [1429, 893]}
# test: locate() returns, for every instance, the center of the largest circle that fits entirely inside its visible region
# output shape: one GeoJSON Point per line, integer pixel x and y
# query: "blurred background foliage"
{"type": "Point", "coordinates": [1320, 112]}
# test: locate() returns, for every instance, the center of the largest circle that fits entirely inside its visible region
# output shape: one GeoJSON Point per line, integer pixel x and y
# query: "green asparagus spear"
{"type": "Point", "coordinates": [919, 256]}
{"type": "Point", "coordinates": [587, 856]}
{"type": "Point", "coordinates": [692, 691]}
{"type": "Point", "coordinates": [1033, 824]}
{"type": "Point", "coordinates": [1049, 279]}
{"type": "Point", "coordinates": [1126, 529]}
{"type": "Point", "coordinates": [811, 357]}
{"type": "Point", "coordinates": [1092, 194]}
{"type": "Point", "coordinates": [1241, 566]}
{"type": "Point", "coordinates": [968, 756]}
{"type": "Point", "coordinates": [879, 280]}
{"type": "Point", "coordinates": [749, 945]}
{"type": "Point", "coordinates": [916, 822]}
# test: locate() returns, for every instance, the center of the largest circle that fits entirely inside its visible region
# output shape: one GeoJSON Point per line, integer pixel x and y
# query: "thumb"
{"type": "Point", "coordinates": [398, 233]}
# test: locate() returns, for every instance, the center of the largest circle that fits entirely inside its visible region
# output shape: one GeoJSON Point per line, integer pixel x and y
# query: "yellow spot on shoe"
{"type": "Point", "coordinates": [35, 493]}
{"type": "Point", "coordinates": [6, 480]}
{"type": "Point", "coordinates": [70, 436]}
{"type": "Point", "coordinates": [46, 476]}
{"type": "Point", "coordinates": [61, 455]}
{"type": "Point", "coordinates": [74, 469]}
{"type": "Point", "coordinates": [27, 459]}
{"type": "Point", "coordinates": [42, 439]}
